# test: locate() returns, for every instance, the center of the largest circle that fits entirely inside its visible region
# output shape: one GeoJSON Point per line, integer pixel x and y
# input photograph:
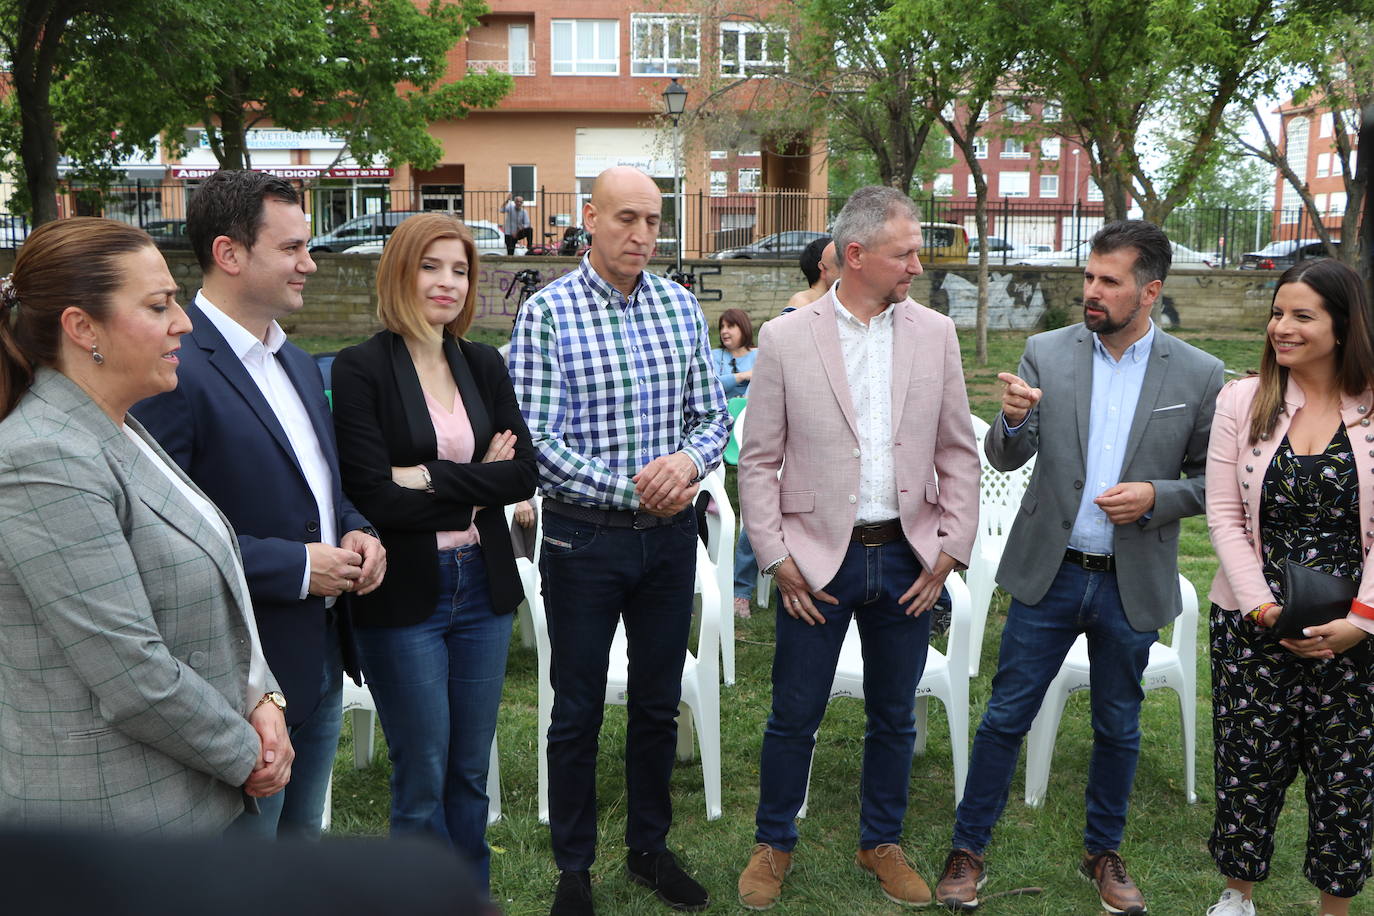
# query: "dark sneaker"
{"type": "Point", "coordinates": [961, 880]}
{"type": "Point", "coordinates": [660, 872]}
{"type": "Point", "coordinates": [1116, 889]}
{"type": "Point", "coordinates": [574, 894]}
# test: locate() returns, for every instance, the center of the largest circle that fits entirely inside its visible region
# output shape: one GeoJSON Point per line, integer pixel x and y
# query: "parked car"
{"type": "Point", "coordinates": [1077, 256]}
{"type": "Point", "coordinates": [1000, 251]}
{"type": "Point", "coordinates": [781, 246]}
{"type": "Point", "coordinates": [488, 236]}
{"type": "Point", "coordinates": [1283, 254]}
{"type": "Point", "coordinates": [944, 243]}
{"type": "Point", "coordinates": [13, 231]}
{"type": "Point", "coordinates": [374, 227]}
{"type": "Point", "coordinates": [169, 233]}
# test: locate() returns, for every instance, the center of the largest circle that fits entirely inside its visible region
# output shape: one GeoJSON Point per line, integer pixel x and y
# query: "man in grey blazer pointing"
{"type": "Point", "coordinates": [1119, 413]}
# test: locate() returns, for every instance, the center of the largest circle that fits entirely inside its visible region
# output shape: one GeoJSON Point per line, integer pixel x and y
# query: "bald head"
{"type": "Point", "coordinates": [622, 216]}
{"type": "Point", "coordinates": [830, 265]}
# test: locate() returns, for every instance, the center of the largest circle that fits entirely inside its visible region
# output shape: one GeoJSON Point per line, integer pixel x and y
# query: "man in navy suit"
{"type": "Point", "coordinates": [248, 421]}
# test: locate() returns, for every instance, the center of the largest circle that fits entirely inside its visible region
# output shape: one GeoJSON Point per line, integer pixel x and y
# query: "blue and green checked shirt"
{"type": "Point", "coordinates": [608, 384]}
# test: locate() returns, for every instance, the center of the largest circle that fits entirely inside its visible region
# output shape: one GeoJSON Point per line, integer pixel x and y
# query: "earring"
{"type": "Point", "coordinates": [96, 355]}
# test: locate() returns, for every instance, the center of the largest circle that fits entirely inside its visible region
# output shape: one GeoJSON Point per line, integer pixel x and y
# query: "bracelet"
{"type": "Point", "coordinates": [1256, 616]}
{"type": "Point", "coordinates": [773, 567]}
{"type": "Point", "coordinates": [429, 481]}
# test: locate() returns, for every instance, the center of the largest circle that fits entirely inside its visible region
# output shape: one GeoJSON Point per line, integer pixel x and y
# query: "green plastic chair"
{"type": "Point", "coordinates": [735, 406]}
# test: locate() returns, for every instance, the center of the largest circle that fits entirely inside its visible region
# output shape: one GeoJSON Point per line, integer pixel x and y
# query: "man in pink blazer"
{"type": "Point", "coordinates": [859, 488]}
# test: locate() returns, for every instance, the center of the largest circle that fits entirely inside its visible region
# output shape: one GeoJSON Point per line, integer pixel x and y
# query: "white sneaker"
{"type": "Point", "coordinates": [1232, 903]}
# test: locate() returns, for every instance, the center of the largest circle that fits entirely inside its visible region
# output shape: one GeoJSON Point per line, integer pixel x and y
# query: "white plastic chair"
{"type": "Point", "coordinates": [1173, 666]}
{"type": "Point", "coordinates": [999, 499]}
{"type": "Point", "coordinates": [358, 702]}
{"type": "Point", "coordinates": [700, 681]}
{"type": "Point", "coordinates": [720, 549]}
{"type": "Point", "coordinates": [945, 678]}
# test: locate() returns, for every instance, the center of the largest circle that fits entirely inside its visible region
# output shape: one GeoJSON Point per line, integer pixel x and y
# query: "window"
{"type": "Point", "coordinates": [1324, 125]}
{"type": "Point", "coordinates": [1323, 165]}
{"type": "Point", "coordinates": [518, 50]}
{"type": "Point", "coordinates": [1337, 205]}
{"type": "Point", "coordinates": [1050, 112]}
{"type": "Point", "coordinates": [586, 47]}
{"type": "Point", "coordinates": [1296, 147]}
{"type": "Point", "coordinates": [751, 49]}
{"type": "Point", "coordinates": [720, 183]}
{"type": "Point", "coordinates": [1015, 111]}
{"type": "Point", "coordinates": [949, 147]}
{"type": "Point", "coordinates": [980, 147]}
{"type": "Point", "coordinates": [522, 181]}
{"type": "Point", "coordinates": [1013, 148]}
{"type": "Point", "coordinates": [664, 44]}
{"type": "Point", "coordinates": [1094, 190]}
{"type": "Point", "coordinates": [972, 187]}
{"type": "Point", "coordinates": [1320, 200]}
{"type": "Point", "coordinates": [1013, 184]}
{"type": "Point", "coordinates": [748, 180]}
{"type": "Point", "coordinates": [1049, 148]}
{"type": "Point", "coordinates": [944, 185]}
{"type": "Point", "coordinates": [719, 154]}
{"type": "Point", "coordinates": [1049, 186]}
{"type": "Point", "coordinates": [1352, 121]}
{"type": "Point", "coordinates": [747, 152]}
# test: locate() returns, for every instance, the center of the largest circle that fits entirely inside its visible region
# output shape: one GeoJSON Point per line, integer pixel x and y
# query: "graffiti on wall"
{"type": "Point", "coordinates": [1015, 299]}
{"type": "Point", "coordinates": [499, 289]}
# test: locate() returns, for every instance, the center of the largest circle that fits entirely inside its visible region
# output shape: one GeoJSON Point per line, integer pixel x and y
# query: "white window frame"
{"type": "Point", "coordinates": [1019, 184]}
{"type": "Point", "coordinates": [1324, 127]}
{"type": "Point", "coordinates": [575, 66]}
{"type": "Point", "coordinates": [1296, 134]}
{"type": "Point", "coordinates": [972, 186]}
{"type": "Point", "coordinates": [720, 182]}
{"type": "Point", "coordinates": [949, 147]}
{"type": "Point", "coordinates": [1014, 148]}
{"type": "Point", "coordinates": [1338, 200]}
{"type": "Point", "coordinates": [733, 36]}
{"type": "Point", "coordinates": [943, 185]}
{"type": "Point", "coordinates": [521, 64]}
{"type": "Point", "coordinates": [1094, 194]}
{"type": "Point", "coordinates": [1050, 147]}
{"type": "Point", "coordinates": [1015, 111]}
{"type": "Point", "coordinates": [980, 147]}
{"type": "Point", "coordinates": [1049, 187]}
{"type": "Point", "coordinates": [749, 180]}
{"type": "Point", "coordinates": [650, 53]}
{"type": "Point", "coordinates": [1050, 112]}
{"type": "Point", "coordinates": [1323, 165]}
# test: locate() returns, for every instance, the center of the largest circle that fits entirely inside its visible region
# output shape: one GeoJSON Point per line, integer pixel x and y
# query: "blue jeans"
{"type": "Point", "coordinates": [868, 584]}
{"type": "Point", "coordinates": [437, 685]}
{"type": "Point", "coordinates": [746, 567]}
{"type": "Point", "coordinates": [297, 810]}
{"type": "Point", "coordinates": [1034, 643]}
{"type": "Point", "coordinates": [592, 576]}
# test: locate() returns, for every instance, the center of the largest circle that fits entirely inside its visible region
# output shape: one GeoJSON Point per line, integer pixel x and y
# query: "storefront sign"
{"type": "Point", "coordinates": [273, 138]}
{"type": "Point", "coordinates": [294, 171]}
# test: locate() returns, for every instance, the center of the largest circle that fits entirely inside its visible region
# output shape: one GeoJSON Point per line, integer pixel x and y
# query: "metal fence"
{"type": "Point", "coordinates": [711, 222]}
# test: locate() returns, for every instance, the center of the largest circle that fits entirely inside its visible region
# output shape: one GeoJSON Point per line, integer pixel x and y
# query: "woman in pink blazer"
{"type": "Point", "coordinates": [1290, 476]}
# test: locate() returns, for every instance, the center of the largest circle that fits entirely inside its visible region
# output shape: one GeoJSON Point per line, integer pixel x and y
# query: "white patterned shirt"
{"type": "Point", "coordinates": [867, 350]}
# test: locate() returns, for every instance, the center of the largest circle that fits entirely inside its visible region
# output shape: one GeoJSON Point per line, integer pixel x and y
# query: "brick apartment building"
{"type": "Point", "coordinates": [1307, 135]}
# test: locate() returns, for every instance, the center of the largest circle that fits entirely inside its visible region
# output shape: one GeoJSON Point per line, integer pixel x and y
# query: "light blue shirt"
{"type": "Point", "coordinates": [725, 373]}
{"type": "Point", "coordinates": [1116, 390]}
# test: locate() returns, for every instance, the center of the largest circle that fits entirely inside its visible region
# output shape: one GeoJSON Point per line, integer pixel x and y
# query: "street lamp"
{"type": "Point", "coordinates": [1076, 223]}
{"type": "Point", "coordinates": [675, 103]}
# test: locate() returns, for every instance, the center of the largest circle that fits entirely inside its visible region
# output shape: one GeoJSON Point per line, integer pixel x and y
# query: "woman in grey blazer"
{"type": "Point", "coordinates": [136, 697]}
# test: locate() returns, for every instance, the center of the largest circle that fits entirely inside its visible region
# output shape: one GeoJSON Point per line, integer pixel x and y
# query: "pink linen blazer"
{"type": "Point", "coordinates": [1235, 477]}
{"type": "Point", "coordinates": [801, 422]}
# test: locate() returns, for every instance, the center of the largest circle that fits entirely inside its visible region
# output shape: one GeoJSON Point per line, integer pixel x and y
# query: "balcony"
{"type": "Point", "coordinates": [513, 67]}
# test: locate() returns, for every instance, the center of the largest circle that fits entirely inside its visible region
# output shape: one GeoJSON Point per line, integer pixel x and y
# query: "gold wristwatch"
{"type": "Point", "coordinates": [273, 697]}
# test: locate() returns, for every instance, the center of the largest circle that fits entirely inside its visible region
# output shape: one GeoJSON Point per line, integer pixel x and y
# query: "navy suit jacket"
{"type": "Point", "coordinates": [218, 426]}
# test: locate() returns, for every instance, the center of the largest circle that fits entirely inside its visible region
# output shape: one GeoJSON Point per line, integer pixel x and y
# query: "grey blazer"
{"type": "Point", "coordinates": [1168, 438]}
{"type": "Point", "coordinates": [124, 647]}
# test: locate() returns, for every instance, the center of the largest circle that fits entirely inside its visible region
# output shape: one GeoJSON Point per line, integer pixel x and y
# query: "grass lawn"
{"type": "Point", "coordinates": [1165, 840]}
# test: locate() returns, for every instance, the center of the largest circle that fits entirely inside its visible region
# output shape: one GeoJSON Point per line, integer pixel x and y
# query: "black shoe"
{"type": "Point", "coordinates": [660, 872]}
{"type": "Point", "coordinates": [574, 894]}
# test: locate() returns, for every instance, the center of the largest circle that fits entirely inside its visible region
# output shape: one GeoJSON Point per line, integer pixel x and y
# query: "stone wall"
{"type": "Point", "coordinates": [339, 297]}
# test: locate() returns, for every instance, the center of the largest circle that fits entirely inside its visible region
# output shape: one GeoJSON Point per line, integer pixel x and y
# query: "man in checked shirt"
{"type": "Point", "coordinates": [611, 365]}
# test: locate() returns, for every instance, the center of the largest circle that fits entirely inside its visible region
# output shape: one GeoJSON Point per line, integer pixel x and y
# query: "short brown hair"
{"type": "Point", "coordinates": [740, 319]}
{"type": "Point", "coordinates": [398, 308]}
{"type": "Point", "coordinates": [63, 263]}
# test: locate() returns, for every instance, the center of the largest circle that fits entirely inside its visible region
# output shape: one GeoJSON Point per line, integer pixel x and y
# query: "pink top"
{"type": "Point", "coordinates": [454, 434]}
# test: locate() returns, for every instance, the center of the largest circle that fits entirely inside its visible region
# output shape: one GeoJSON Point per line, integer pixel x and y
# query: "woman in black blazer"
{"type": "Point", "coordinates": [431, 448]}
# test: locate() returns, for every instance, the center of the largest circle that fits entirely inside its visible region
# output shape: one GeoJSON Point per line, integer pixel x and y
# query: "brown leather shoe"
{"type": "Point", "coordinates": [1116, 889]}
{"type": "Point", "coordinates": [898, 880]}
{"type": "Point", "coordinates": [961, 881]}
{"type": "Point", "coordinates": [760, 884]}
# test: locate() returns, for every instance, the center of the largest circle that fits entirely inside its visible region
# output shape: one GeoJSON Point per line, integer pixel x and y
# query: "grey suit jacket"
{"type": "Point", "coordinates": [1168, 438]}
{"type": "Point", "coordinates": [124, 647]}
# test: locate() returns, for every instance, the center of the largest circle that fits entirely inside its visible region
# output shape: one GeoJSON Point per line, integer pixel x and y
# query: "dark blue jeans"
{"type": "Point", "coordinates": [297, 810]}
{"type": "Point", "coordinates": [1034, 643]}
{"type": "Point", "coordinates": [592, 576]}
{"type": "Point", "coordinates": [869, 582]}
{"type": "Point", "coordinates": [437, 685]}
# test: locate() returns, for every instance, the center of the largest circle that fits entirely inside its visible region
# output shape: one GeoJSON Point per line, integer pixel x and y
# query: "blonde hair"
{"type": "Point", "coordinates": [399, 309]}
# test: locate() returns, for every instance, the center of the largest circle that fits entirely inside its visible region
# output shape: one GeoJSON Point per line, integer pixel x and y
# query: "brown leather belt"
{"type": "Point", "coordinates": [1092, 562]}
{"type": "Point", "coordinates": [877, 534]}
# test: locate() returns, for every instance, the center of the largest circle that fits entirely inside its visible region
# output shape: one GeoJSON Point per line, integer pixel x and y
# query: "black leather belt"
{"type": "Point", "coordinates": [878, 533]}
{"type": "Point", "coordinates": [612, 518]}
{"type": "Point", "coordinates": [1092, 562]}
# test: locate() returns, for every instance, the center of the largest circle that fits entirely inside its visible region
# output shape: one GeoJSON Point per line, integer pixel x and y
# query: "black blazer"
{"type": "Point", "coordinates": [381, 421]}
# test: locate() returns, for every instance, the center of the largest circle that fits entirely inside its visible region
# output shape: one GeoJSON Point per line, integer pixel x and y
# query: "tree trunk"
{"type": "Point", "coordinates": [40, 31]}
{"type": "Point", "coordinates": [233, 125]}
{"type": "Point", "coordinates": [980, 225]}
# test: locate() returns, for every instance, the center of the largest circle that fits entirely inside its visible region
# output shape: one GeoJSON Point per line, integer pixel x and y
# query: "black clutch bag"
{"type": "Point", "coordinates": [1314, 598]}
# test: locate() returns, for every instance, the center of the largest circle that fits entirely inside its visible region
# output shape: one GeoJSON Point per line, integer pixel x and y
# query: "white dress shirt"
{"type": "Point", "coordinates": [867, 350]}
{"type": "Point", "coordinates": [260, 359]}
{"type": "Point", "coordinates": [257, 662]}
